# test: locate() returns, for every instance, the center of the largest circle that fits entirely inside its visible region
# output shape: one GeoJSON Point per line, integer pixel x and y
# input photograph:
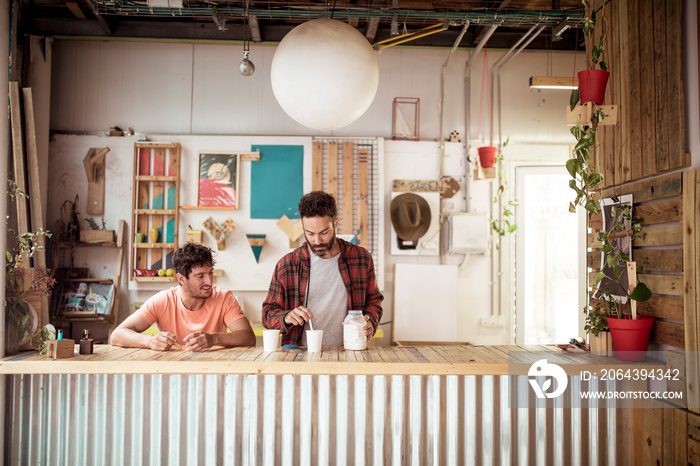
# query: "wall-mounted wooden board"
{"type": "Point", "coordinates": [348, 204]}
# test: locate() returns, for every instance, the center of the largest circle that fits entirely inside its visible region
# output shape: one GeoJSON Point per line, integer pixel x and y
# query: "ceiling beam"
{"type": "Point", "coordinates": [371, 32]}
{"type": "Point", "coordinates": [99, 18]}
{"type": "Point", "coordinates": [75, 9]}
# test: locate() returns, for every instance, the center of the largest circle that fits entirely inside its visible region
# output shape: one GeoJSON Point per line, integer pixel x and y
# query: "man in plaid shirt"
{"type": "Point", "coordinates": [322, 280]}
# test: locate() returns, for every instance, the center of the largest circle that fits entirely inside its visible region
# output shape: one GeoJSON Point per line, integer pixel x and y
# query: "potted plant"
{"type": "Point", "coordinates": [22, 283]}
{"type": "Point", "coordinates": [502, 225]}
{"type": "Point", "coordinates": [596, 325]}
{"type": "Point", "coordinates": [487, 156]}
{"type": "Point", "coordinates": [593, 81]}
{"type": "Point", "coordinates": [630, 332]}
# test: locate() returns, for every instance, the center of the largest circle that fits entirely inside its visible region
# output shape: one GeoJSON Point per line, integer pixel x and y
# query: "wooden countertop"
{"type": "Point", "coordinates": [386, 360]}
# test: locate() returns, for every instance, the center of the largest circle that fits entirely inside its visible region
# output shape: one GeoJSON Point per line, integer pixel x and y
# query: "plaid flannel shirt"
{"type": "Point", "coordinates": [291, 277]}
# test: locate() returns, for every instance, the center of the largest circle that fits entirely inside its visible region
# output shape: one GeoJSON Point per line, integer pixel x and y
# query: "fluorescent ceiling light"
{"type": "Point", "coordinates": [553, 82]}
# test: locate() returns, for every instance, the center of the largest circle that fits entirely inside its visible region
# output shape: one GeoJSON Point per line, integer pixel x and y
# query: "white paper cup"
{"type": "Point", "coordinates": [314, 338]}
{"type": "Point", "coordinates": [271, 339]}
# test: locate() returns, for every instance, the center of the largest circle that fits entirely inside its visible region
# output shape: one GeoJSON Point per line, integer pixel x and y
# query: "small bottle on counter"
{"type": "Point", "coordinates": [86, 346]}
{"type": "Point", "coordinates": [354, 337]}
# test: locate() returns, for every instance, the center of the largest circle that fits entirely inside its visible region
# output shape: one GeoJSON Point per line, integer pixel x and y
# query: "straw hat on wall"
{"type": "Point", "coordinates": [410, 216]}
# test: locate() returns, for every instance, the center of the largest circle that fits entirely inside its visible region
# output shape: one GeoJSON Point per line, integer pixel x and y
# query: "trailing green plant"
{"type": "Point", "coordinates": [585, 177]}
{"type": "Point", "coordinates": [595, 316]}
{"type": "Point", "coordinates": [616, 256]}
{"type": "Point", "coordinates": [503, 225]}
{"type": "Point", "coordinates": [41, 337]}
{"type": "Point", "coordinates": [588, 24]}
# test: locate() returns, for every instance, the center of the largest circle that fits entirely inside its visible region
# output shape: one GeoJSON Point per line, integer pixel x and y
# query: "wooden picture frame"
{"type": "Point", "coordinates": [623, 243]}
{"type": "Point", "coordinates": [218, 180]}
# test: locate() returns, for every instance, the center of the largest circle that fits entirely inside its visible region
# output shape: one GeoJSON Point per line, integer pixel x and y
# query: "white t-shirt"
{"type": "Point", "coordinates": [327, 299]}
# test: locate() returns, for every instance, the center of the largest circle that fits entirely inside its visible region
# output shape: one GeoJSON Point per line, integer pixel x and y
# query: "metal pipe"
{"type": "Point", "coordinates": [408, 38]}
{"type": "Point", "coordinates": [481, 17]}
{"type": "Point", "coordinates": [495, 208]}
{"type": "Point", "coordinates": [496, 257]}
{"type": "Point", "coordinates": [493, 70]}
{"type": "Point", "coordinates": [524, 46]}
{"type": "Point", "coordinates": [441, 111]}
{"type": "Point", "coordinates": [413, 35]}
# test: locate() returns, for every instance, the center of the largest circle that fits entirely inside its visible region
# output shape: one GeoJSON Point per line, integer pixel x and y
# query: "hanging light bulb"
{"type": "Point", "coordinates": [246, 67]}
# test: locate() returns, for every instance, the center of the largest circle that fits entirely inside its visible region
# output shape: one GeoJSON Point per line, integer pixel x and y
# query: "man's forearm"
{"type": "Point", "coordinates": [129, 339]}
{"type": "Point", "coordinates": [237, 338]}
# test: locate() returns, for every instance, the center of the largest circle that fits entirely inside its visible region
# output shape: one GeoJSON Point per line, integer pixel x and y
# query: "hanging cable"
{"type": "Point", "coordinates": [246, 68]}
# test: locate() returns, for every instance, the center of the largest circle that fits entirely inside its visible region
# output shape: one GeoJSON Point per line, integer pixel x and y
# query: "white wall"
{"type": "Point", "coordinates": [195, 89]}
{"type": "Point", "coordinates": [177, 88]}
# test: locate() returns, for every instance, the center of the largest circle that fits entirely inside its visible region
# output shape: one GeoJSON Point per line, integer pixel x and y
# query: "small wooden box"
{"type": "Point", "coordinates": [60, 349]}
{"type": "Point", "coordinates": [194, 235]}
{"type": "Point", "coordinates": [97, 236]}
{"type": "Point", "coordinates": [86, 346]}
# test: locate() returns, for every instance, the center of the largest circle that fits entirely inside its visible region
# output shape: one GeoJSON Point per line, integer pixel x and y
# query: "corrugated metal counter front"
{"type": "Point", "coordinates": [385, 405]}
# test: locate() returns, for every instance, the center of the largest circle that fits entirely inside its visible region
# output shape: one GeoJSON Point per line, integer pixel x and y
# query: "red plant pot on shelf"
{"type": "Point", "coordinates": [487, 156]}
{"type": "Point", "coordinates": [591, 86]}
{"type": "Point", "coordinates": [630, 337]}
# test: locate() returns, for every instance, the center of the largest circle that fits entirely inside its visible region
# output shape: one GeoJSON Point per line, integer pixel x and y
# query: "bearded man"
{"type": "Point", "coordinates": [322, 280]}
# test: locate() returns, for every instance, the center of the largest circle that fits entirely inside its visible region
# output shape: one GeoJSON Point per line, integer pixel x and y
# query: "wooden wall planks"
{"type": "Point", "coordinates": [649, 138]}
{"type": "Point", "coordinates": [668, 252]}
{"type": "Point", "coordinates": [691, 308]}
{"type": "Point", "coordinates": [659, 252]}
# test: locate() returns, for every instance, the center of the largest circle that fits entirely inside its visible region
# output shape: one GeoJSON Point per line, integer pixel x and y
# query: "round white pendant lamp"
{"type": "Point", "coordinates": [324, 74]}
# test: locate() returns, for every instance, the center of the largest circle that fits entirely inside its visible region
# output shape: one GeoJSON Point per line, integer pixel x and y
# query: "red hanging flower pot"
{"type": "Point", "coordinates": [630, 337]}
{"type": "Point", "coordinates": [591, 85]}
{"type": "Point", "coordinates": [487, 156]}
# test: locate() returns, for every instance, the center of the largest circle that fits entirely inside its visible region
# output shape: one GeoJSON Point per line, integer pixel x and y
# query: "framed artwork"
{"type": "Point", "coordinates": [218, 180]}
{"type": "Point", "coordinates": [622, 243]}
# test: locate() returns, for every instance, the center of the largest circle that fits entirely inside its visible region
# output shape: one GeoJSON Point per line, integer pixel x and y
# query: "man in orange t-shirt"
{"type": "Point", "coordinates": [195, 314]}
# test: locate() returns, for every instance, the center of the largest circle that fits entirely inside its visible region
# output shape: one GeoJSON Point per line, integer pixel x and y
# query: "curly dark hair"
{"type": "Point", "coordinates": [318, 204]}
{"type": "Point", "coordinates": [192, 255]}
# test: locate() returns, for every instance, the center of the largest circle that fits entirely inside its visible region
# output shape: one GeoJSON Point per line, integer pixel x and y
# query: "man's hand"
{"type": "Point", "coordinates": [199, 341]}
{"type": "Point", "coordinates": [162, 342]}
{"type": "Point", "coordinates": [368, 328]}
{"type": "Point", "coordinates": [298, 316]}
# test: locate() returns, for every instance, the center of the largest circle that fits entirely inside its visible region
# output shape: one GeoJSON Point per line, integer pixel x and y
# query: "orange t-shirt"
{"type": "Point", "coordinates": [166, 310]}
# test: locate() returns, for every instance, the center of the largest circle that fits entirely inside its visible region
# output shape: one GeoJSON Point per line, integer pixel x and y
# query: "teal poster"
{"type": "Point", "coordinates": [276, 181]}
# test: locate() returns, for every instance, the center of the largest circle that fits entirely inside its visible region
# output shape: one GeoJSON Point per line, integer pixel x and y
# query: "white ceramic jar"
{"type": "Point", "coordinates": [353, 331]}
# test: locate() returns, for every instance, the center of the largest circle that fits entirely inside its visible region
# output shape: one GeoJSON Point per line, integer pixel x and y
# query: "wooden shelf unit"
{"type": "Point", "coordinates": [155, 205]}
{"type": "Point", "coordinates": [86, 316]}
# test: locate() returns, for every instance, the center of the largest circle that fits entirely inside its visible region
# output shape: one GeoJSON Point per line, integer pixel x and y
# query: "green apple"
{"type": "Point", "coordinates": [161, 273]}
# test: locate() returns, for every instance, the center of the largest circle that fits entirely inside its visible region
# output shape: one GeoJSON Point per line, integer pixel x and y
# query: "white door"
{"type": "Point", "coordinates": [550, 245]}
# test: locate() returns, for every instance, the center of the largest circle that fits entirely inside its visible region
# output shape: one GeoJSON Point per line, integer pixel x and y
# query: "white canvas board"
{"type": "Point", "coordinates": [425, 302]}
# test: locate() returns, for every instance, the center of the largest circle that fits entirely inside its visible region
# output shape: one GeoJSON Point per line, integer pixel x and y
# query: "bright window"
{"type": "Point", "coordinates": [547, 258]}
